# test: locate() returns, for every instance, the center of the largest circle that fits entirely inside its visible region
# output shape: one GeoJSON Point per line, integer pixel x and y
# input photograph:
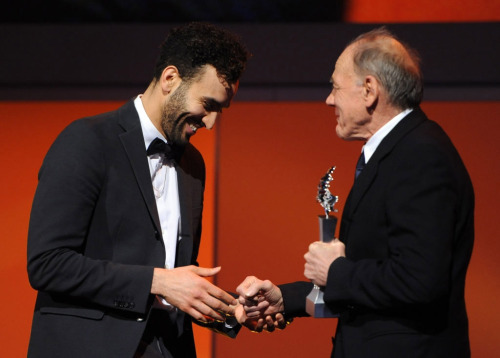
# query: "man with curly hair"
{"type": "Point", "coordinates": [116, 220]}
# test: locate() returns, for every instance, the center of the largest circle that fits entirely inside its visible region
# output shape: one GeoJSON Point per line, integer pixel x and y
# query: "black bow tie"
{"type": "Point", "coordinates": [159, 146]}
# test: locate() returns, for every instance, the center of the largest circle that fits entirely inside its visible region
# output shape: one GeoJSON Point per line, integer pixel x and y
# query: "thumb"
{"type": "Point", "coordinates": [251, 288]}
{"type": "Point", "coordinates": [243, 287]}
{"type": "Point", "coordinates": [205, 271]}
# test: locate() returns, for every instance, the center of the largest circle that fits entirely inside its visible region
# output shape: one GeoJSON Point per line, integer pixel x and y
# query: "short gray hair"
{"type": "Point", "coordinates": [396, 67]}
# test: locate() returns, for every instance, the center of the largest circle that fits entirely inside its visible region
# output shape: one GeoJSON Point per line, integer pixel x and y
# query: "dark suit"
{"type": "Point", "coordinates": [95, 237]}
{"type": "Point", "coordinates": [408, 228]}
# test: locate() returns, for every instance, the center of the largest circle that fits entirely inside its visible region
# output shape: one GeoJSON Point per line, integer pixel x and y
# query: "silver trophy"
{"type": "Point", "coordinates": [315, 305]}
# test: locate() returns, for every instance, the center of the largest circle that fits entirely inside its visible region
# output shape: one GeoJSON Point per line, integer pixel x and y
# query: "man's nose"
{"type": "Point", "coordinates": [210, 119]}
{"type": "Point", "coordinates": [330, 100]}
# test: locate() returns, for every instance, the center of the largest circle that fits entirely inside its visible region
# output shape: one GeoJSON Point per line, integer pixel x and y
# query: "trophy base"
{"type": "Point", "coordinates": [315, 305]}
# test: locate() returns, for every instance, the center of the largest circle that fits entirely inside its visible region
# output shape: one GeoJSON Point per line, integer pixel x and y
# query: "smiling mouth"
{"type": "Point", "coordinates": [193, 127]}
{"type": "Point", "coordinates": [194, 123]}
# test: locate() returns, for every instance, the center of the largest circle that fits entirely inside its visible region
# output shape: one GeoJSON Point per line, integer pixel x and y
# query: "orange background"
{"type": "Point", "coordinates": [27, 129]}
{"type": "Point", "coordinates": [272, 156]}
{"type": "Point", "coordinates": [387, 11]}
{"type": "Point", "coordinates": [264, 162]}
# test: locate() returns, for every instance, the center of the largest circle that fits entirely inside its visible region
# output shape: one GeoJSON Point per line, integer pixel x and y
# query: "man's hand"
{"type": "Point", "coordinates": [260, 298]}
{"type": "Point", "coordinates": [319, 258]}
{"type": "Point", "coordinates": [269, 323]}
{"type": "Point", "coordinates": [185, 288]}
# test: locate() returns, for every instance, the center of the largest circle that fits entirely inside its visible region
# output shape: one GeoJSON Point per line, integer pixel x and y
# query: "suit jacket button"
{"type": "Point", "coordinates": [157, 234]}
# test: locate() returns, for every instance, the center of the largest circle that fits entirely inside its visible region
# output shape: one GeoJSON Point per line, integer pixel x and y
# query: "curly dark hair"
{"type": "Point", "coordinates": [192, 46]}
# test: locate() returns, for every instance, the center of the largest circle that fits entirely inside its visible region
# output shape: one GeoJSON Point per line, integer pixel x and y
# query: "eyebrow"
{"type": "Point", "coordinates": [212, 105]}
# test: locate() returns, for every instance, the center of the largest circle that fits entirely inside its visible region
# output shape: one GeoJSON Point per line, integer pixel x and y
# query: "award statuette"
{"type": "Point", "coordinates": [315, 306]}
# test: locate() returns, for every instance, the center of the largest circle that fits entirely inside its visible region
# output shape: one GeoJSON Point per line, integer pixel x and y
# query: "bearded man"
{"type": "Point", "coordinates": [116, 220]}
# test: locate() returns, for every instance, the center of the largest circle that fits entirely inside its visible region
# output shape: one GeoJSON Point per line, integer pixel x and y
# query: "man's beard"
{"type": "Point", "coordinates": [173, 118]}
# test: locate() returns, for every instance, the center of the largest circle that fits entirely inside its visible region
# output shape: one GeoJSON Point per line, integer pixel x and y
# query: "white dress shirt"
{"type": "Point", "coordinates": [371, 145]}
{"type": "Point", "coordinates": [164, 181]}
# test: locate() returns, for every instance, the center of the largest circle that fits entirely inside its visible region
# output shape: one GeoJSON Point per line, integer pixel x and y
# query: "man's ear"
{"type": "Point", "coordinates": [169, 79]}
{"type": "Point", "coordinates": [371, 91]}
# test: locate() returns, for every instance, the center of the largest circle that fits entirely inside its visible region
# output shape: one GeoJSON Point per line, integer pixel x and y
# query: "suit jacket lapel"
{"type": "Point", "coordinates": [133, 143]}
{"type": "Point", "coordinates": [185, 243]}
{"type": "Point", "coordinates": [363, 182]}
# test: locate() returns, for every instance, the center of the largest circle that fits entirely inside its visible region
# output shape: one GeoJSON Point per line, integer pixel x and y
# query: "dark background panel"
{"type": "Point", "coordinates": [147, 11]}
{"type": "Point", "coordinates": [291, 61]}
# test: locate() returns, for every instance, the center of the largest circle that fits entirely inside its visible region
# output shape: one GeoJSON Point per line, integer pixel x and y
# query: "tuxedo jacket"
{"type": "Point", "coordinates": [95, 238]}
{"type": "Point", "coordinates": [408, 229]}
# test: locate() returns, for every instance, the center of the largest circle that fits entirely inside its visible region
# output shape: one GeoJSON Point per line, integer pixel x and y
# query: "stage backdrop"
{"type": "Point", "coordinates": [271, 157]}
{"type": "Point", "coordinates": [27, 129]}
{"type": "Point", "coordinates": [264, 162]}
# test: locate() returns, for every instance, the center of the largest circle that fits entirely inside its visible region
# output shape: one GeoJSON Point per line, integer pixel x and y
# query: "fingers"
{"type": "Point", "coordinates": [260, 298]}
{"type": "Point", "coordinates": [205, 307]}
{"type": "Point", "coordinates": [208, 310]}
{"type": "Point", "coordinates": [216, 303]}
{"type": "Point", "coordinates": [262, 324]}
{"type": "Point", "coordinates": [204, 313]}
{"type": "Point", "coordinates": [204, 271]}
{"type": "Point", "coordinates": [253, 311]}
{"type": "Point", "coordinates": [214, 291]}
{"type": "Point", "coordinates": [254, 306]}
{"type": "Point", "coordinates": [315, 247]}
{"type": "Point", "coordinates": [269, 326]}
{"type": "Point", "coordinates": [253, 293]}
{"type": "Point", "coordinates": [187, 289]}
{"type": "Point", "coordinates": [255, 325]}
{"type": "Point", "coordinates": [275, 322]}
{"type": "Point", "coordinates": [319, 258]}
{"type": "Point", "coordinates": [280, 321]}
{"type": "Point", "coordinates": [249, 287]}
{"type": "Point", "coordinates": [224, 299]}
{"type": "Point", "coordinates": [268, 323]}
{"type": "Point", "coordinates": [249, 291]}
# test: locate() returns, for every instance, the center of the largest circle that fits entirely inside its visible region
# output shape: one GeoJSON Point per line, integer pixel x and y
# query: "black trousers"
{"type": "Point", "coordinates": [161, 339]}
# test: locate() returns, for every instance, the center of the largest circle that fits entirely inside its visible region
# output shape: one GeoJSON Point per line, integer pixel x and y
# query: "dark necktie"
{"type": "Point", "coordinates": [159, 146]}
{"type": "Point", "coordinates": [360, 165]}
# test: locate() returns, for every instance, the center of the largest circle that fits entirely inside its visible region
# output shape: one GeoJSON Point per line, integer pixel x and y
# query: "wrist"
{"type": "Point", "coordinates": [280, 305]}
{"type": "Point", "coordinates": [156, 284]}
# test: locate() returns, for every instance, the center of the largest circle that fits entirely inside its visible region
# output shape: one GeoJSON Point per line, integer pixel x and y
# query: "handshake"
{"type": "Point", "coordinates": [260, 305]}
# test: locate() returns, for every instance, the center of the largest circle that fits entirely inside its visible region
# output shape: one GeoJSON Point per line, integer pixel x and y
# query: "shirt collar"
{"type": "Point", "coordinates": [372, 143]}
{"type": "Point", "coordinates": [149, 131]}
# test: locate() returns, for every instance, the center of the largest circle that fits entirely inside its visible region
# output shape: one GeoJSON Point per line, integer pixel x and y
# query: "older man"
{"type": "Point", "coordinates": [397, 273]}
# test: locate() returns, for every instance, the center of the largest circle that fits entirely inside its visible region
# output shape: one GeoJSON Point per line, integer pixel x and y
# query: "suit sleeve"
{"type": "Point", "coordinates": [294, 297]}
{"type": "Point", "coordinates": [418, 216]}
{"type": "Point", "coordinates": [70, 180]}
